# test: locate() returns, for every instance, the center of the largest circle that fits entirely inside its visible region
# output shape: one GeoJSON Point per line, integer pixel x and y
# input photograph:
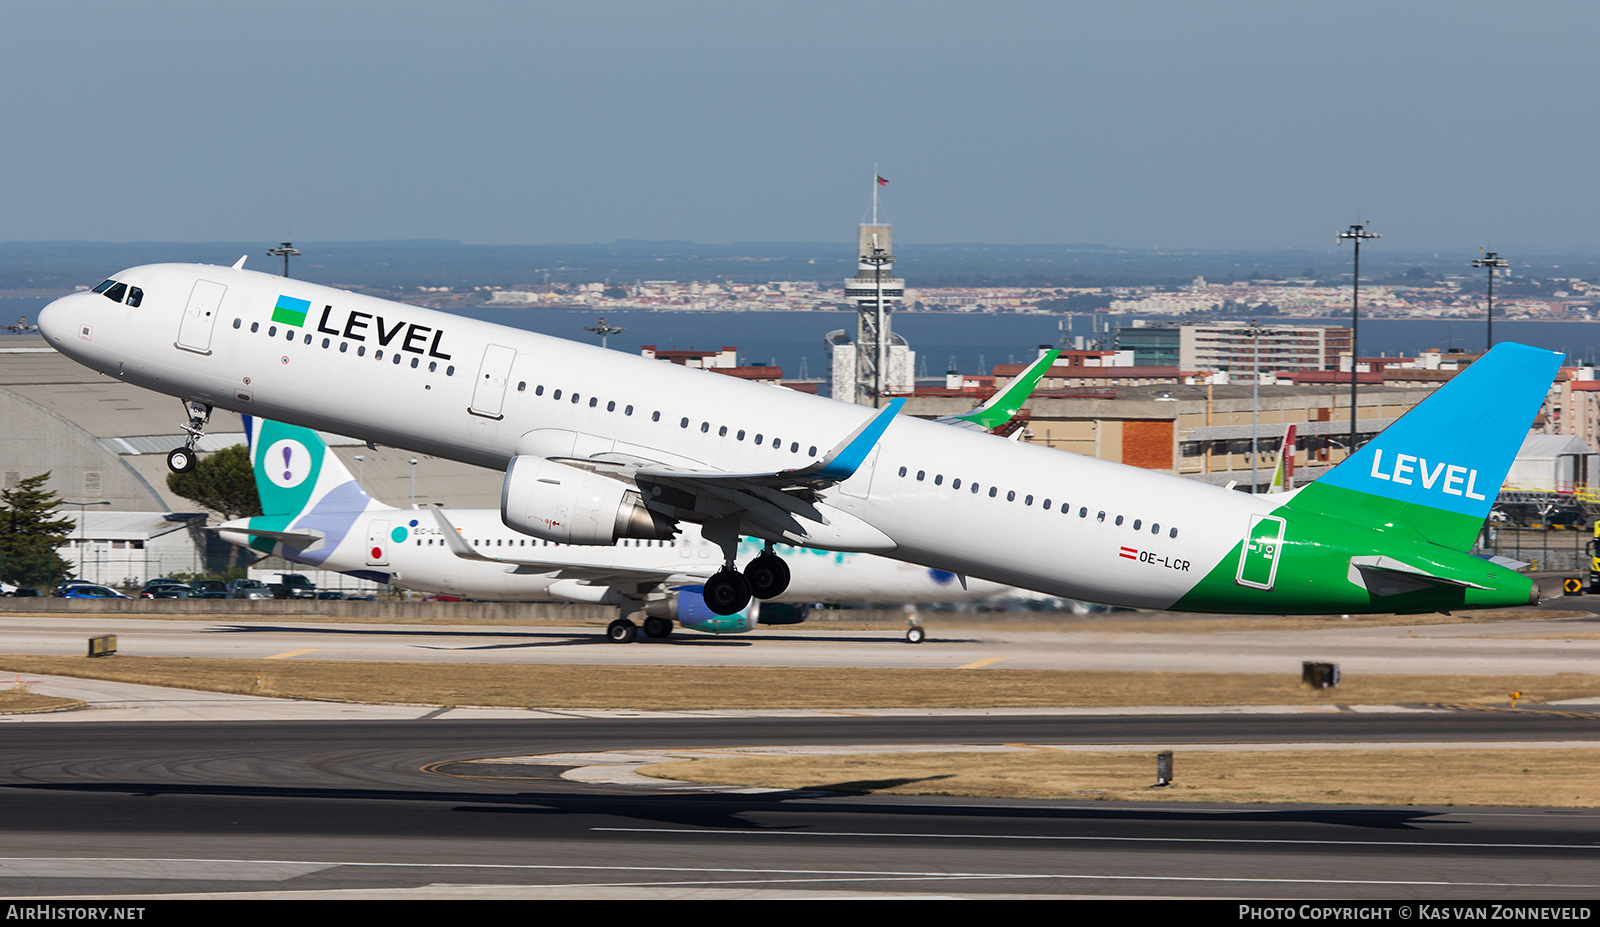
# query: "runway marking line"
{"type": "Point", "coordinates": [434, 769]}
{"type": "Point", "coordinates": [1550, 712]}
{"type": "Point", "coordinates": [1057, 838]}
{"type": "Point", "coordinates": [292, 653]}
{"type": "Point", "coordinates": [982, 663]}
{"type": "Point", "coordinates": [819, 875]}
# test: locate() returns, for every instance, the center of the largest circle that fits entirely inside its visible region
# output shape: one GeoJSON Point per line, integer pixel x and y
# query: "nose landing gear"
{"type": "Point", "coordinates": [181, 460]}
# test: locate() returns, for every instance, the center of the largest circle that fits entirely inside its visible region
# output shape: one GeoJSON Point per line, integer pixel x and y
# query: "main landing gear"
{"type": "Point", "coordinates": [624, 631]}
{"type": "Point", "coordinates": [765, 577]}
{"type": "Point", "coordinates": [181, 460]}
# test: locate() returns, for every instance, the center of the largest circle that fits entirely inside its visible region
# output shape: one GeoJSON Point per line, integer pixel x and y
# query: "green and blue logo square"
{"type": "Point", "coordinates": [291, 311]}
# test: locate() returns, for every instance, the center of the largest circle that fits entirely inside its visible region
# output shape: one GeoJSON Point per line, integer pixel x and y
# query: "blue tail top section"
{"type": "Point", "coordinates": [1454, 449]}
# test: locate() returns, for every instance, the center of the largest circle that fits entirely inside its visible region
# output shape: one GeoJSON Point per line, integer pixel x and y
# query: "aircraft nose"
{"type": "Point", "coordinates": [55, 320]}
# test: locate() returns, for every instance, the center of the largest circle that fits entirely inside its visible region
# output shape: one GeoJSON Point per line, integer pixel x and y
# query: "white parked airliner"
{"type": "Point", "coordinates": [314, 512]}
{"type": "Point", "coordinates": [597, 446]}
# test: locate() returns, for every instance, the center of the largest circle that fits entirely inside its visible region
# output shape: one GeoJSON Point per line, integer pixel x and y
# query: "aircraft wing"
{"type": "Point", "coordinates": [601, 573]}
{"type": "Point", "coordinates": [1003, 406]}
{"type": "Point", "coordinates": [785, 503]}
{"type": "Point", "coordinates": [839, 464]}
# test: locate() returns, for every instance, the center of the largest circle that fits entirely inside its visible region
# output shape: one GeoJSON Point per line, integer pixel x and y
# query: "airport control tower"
{"type": "Point", "coordinates": [882, 366]}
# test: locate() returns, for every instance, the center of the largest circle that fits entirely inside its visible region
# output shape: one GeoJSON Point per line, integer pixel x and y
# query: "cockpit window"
{"type": "Point", "coordinates": [135, 296]}
{"type": "Point", "coordinates": [104, 286]}
{"type": "Point", "coordinates": [116, 292]}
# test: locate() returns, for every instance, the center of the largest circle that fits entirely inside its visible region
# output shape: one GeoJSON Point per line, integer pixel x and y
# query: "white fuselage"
{"type": "Point", "coordinates": [947, 498]}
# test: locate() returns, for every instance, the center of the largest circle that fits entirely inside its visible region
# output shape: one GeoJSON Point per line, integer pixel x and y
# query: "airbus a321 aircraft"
{"type": "Point", "coordinates": [317, 514]}
{"type": "Point", "coordinates": [598, 445]}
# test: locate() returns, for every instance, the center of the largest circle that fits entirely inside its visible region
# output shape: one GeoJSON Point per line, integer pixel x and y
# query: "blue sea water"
{"type": "Point", "coordinates": [974, 342]}
{"type": "Point", "coordinates": [977, 342]}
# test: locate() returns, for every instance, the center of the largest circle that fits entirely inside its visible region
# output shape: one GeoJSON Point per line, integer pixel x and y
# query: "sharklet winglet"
{"type": "Point", "coordinates": [848, 455]}
{"type": "Point", "coordinates": [452, 537]}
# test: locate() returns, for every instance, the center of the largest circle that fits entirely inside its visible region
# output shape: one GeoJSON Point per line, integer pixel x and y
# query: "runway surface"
{"type": "Point", "coordinates": [1536, 646]}
{"type": "Point", "coordinates": [387, 809]}
{"type": "Point", "coordinates": [252, 797]}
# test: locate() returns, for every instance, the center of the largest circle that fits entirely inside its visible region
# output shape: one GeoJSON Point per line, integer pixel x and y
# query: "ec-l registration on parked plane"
{"type": "Point", "coordinates": [317, 514]}
{"type": "Point", "coordinates": [597, 445]}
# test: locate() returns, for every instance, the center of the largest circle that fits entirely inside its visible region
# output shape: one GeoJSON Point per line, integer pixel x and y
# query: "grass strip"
{"type": "Point", "coordinates": [689, 688]}
{"type": "Point", "coordinates": [1477, 777]}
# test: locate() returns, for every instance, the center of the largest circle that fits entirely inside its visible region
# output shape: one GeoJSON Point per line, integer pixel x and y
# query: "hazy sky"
{"type": "Point", "coordinates": [1175, 124]}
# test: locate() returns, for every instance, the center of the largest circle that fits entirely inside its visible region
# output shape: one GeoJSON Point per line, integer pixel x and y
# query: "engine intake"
{"type": "Point", "coordinates": [559, 503]}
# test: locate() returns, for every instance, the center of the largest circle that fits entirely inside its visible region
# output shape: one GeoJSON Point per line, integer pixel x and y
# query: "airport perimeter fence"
{"type": "Point", "coordinates": [1553, 550]}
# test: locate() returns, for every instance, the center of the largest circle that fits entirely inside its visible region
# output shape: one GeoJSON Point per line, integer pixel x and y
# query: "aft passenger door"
{"type": "Point", "coordinates": [205, 302]}
{"type": "Point", "coordinates": [377, 543]}
{"type": "Point", "coordinates": [1258, 559]}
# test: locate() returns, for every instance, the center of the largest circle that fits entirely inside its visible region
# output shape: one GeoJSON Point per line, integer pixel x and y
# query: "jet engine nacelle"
{"type": "Point", "coordinates": [687, 606]}
{"type": "Point", "coordinates": [559, 503]}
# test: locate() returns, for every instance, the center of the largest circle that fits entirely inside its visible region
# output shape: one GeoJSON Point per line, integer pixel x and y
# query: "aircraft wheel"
{"type": "Point", "coordinates": [726, 592]}
{"type": "Point", "coordinates": [768, 576]}
{"type": "Point", "coordinates": [916, 636]}
{"type": "Point", "coordinates": [180, 460]}
{"type": "Point", "coordinates": [622, 631]}
{"type": "Point", "coordinates": [657, 628]}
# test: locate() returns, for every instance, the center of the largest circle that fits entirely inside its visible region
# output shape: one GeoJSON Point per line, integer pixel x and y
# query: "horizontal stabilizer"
{"type": "Point", "coordinates": [1387, 576]}
{"type": "Point", "coordinates": [297, 539]}
{"type": "Point", "coordinates": [1506, 562]}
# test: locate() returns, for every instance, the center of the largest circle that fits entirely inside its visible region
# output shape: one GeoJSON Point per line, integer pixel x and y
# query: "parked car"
{"type": "Point", "coordinates": [66, 584]}
{"type": "Point", "coordinates": [208, 589]}
{"type": "Point", "coordinates": [165, 589]}
{"type": "Point", "coordinates": [248, 589]}
{"type": "Point", "coordinates": [1529, 515]}
{"type": "Point", "coordinates": [293, 586]}
{"type": "Point", "coordinates": [91, 591]}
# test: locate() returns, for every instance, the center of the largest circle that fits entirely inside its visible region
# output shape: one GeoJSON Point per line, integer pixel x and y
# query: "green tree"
{"type": "Point", "coordinates": [222, 482]}
{"type": "Point", "coordinates": [30, 534]}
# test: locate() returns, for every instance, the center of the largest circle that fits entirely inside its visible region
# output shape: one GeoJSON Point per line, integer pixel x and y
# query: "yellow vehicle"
{"type": "Point", "coordinates": [1594, 561]}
